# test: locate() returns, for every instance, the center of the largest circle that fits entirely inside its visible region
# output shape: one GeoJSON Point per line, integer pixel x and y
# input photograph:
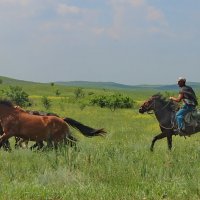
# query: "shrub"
{"type": "Point", "coordinates": [58, 92]}
{"type": "Point", "coordinates": [90, 93]}
{"type": "Point", "coordinates": [46, 102]}
{"type": "Point", "coordinates": [17, 95]}
{"type": "Point", "coordinates": [113, 101]}
{"type": "Point", "coordinates": [79, 93]}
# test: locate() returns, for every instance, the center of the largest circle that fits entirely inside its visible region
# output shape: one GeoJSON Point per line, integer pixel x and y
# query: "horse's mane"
{"type": "Point", "coordinates": [160, 97]}
{"type": "Point", "coordinates": [173, 106]}
{"type": "Point", "coordinates": [6, 102]}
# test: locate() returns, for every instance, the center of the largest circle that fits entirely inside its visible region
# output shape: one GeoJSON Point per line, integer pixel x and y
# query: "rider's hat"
{"type": "Point", "coordinates": [181, 79]}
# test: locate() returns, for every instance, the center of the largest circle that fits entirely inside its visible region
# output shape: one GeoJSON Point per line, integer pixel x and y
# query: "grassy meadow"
{"type": "Point", "coordinates": [119, 166]}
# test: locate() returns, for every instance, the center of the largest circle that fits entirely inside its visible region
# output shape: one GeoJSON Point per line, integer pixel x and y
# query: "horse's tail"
{"type": "Point", "coordinates": [85, 130]}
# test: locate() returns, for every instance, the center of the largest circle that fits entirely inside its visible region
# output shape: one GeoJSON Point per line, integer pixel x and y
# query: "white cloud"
{"type": "Point", "coordinates": [118, 9]}
{"type": "Point", "coordinates": [116, 19]}
{"type": "Point", "coordinates": [131, 15]}
{"type": "Point", "coordinates": [154, 14]}
{"type": "Point", "coordinates": [64, 9]}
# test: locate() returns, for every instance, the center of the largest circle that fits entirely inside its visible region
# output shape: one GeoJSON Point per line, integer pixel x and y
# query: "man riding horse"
{"type": "Point", "coordinates": [166, 114]}
{"type": "Point", "coordinates": [188, 96]}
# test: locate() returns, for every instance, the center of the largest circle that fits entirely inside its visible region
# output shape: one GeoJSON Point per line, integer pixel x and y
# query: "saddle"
{"type": "Point", "coordinates": [191, 119]}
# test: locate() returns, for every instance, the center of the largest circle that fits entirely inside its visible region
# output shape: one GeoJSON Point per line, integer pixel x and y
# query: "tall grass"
{"type": "Point", "coordinates": [119, 166]}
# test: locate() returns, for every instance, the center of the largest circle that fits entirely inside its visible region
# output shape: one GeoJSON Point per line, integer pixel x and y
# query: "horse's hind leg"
{"type": "Point", "coordinates": [157, 137]}
{"type": "Point", "coordinates": [33, 146]}
{"type": "Point", "coordinates": [49, 144]}
{"type": "Point", "coordinates": [39, 145]}
{"type": "Point", "coordinates": [17, 140]}
{"type": "Point", "coordinates": [71, 141]}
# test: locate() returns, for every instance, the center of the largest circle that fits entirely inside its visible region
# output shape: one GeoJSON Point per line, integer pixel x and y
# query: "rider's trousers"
{"type": "Point", "coordinates": [181, 113]}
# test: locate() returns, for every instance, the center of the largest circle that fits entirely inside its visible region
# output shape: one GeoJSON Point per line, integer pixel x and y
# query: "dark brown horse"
{"type": "Point", "coordinates": [17, 122]}
{"type": "Point", "coordinates": [165, 111]}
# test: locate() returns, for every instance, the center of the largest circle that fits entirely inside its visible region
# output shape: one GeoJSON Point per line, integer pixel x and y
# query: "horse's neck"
{"type": "Point", "coordinates": [164, 115]}
{"type": "Point", "coordinates": [6, 111]}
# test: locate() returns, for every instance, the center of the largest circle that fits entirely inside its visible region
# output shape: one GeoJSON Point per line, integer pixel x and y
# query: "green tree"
{"type": "Point", "coordinates": [79, 93]}
{"type": "Point", "coordinates": [1, 81]}
{"type": "Point", "coordinates": [58, 92]}
{"type": "Point", "coordinates": [46, 102]}
{"type": "Point", "coordinates": [17, 95]}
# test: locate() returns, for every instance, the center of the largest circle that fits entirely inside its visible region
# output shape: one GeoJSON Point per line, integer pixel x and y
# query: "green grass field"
{"type": "Point", "coordinates": [117, 167]}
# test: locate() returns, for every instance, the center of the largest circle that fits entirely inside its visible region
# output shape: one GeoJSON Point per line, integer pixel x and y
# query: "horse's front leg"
{"type": "Point", "coordinates": [6, 145]}
{"type": "Point", "coordinates": [157, 137]}
{"type": "Point", "coordinates": [3, 138]}
{"type": "Point", "coordinates": [169, 141]}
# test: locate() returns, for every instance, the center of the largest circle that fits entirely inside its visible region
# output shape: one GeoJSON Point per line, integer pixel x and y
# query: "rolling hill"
{"type": "Point", "coordinates": [12, 81]}
{"type": "Point", "coordinates": [104, 85]}
{"type": "Point", "coordinates": [112, 85]}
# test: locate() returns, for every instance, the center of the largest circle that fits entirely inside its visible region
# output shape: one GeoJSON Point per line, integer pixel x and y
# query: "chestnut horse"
{"type": "Point", "coordinates": [52, 129]}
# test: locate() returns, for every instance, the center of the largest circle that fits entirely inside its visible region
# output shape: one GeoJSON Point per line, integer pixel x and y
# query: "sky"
{"type": "Point", "coordinates": [124, 41]}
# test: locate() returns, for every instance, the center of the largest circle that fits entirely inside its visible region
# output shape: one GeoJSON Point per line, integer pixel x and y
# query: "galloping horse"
{"type": "Point", "coordinates": [165, 111]}
{"type": "Point", "coordinates": [19, 141]}
{"type": "Point", "coordinates": [52, 129]}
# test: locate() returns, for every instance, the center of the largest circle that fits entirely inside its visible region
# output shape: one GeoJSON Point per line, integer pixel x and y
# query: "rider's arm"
{"type": "Point", "coordinates": [178, 99]}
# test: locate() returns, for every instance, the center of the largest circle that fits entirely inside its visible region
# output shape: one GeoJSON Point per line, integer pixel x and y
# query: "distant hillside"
{"type": "Point", "coordinates": [11, 81]}
{"type": "Point", "coordinates": [105, 85]}
{"type": "Point", "coordinates": [194, 85]}
{"type": "Point", "coordinates": [112, 85]}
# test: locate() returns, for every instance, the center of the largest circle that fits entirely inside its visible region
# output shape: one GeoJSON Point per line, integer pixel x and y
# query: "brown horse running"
{"type": "Point", "coordinates": [52, 129]}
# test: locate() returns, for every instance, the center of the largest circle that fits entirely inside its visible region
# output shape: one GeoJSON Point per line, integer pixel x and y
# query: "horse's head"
{"type": "Point", "coordinates": [158, 102]}
{"type": "Point", "coordinates": [148, 105]}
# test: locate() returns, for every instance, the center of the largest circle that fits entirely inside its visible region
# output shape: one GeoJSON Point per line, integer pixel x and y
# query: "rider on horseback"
{"type": "Point", "coordinates": [187, 94]}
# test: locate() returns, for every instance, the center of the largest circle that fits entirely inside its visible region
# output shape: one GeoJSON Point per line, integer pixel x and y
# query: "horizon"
{"type": "Point", "coordinates": [190, 82]}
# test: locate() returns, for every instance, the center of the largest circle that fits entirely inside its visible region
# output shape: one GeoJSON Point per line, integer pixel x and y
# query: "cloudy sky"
{"type": "Point", "coordinates": [124, 41]}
